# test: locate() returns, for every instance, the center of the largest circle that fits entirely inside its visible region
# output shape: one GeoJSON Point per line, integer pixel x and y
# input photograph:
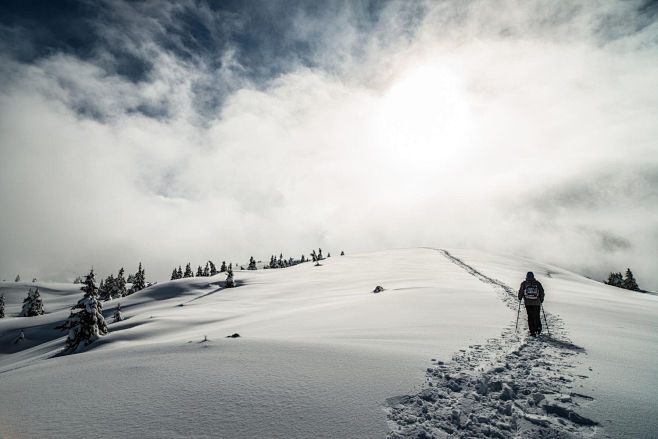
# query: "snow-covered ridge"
{"type": "Point", "coordinates": [320, 354]}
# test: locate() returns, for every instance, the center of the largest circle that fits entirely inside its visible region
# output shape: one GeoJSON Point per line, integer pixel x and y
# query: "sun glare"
{"type": "Point", "coordinates": [423, 118]}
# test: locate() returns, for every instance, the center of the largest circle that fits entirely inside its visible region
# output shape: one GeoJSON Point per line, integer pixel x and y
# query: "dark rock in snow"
{"type": "Point", "coordinates": [235, 335]}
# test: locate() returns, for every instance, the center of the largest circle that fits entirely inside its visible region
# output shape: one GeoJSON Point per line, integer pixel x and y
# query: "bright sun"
{"type": "Point", "coordinates": [423, 118]}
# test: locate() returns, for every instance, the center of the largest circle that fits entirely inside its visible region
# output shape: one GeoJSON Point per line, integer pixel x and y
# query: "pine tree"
{"type": "Point", "coordinates": [303, 259]}
{"type": "Point", "coordinates": [199, 272]}
{"type": "Point", "coordinates": [106, 289]}
{"type": "Point", "coordinates": [85, 323]}
{"type": "Point", "coordinates": [117, 314]}
{"type": "Point", "coordinates": [314, 256]}
{"type": "Point", "coordinates": [18, 278]}
{"type": "Point", "coordinates": [206, 270]}
{"type": "Point", "coordinates": [32, 304]}
{"type": "Point", "coordinates": [320, 255]}
{"type": "Point", "coordinates": [328, 255]}
{"type": "Point", "coordinates": [179, 274]}
{"type": "Point", "coordinates": [188, 271]}
{"type": "Point", "coordinates": [222, 269]}
{"type": "Point", "coordinates": [119, 287]}
{"type": "Point", "coordinates": [252, 263]}
{"type": "Point", "coordinates": [342, 253]}
{"type": "Point", "coordinates": [2, 306]}
{"type": "Point", "coordinates": [615, 279]}
{"type": "Point", "coordinates": [213, 269]}
{"type": "Point", "coordinates": [174, 274]}
{"type": "Point", "coordinates": [140, 279]}
{"type": "Point", "coordinates": [629, 281]}
{"type": "Point", "coordinates": [230, 283]}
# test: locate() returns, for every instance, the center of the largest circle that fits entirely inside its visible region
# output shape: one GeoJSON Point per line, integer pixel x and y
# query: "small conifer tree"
{"type": "Point", "coordinates": [32, 304]}
{"type": "Point", "coordinates": [179, 274]}
{"type": "Point", "coordinates": [213, 269]}
{"type": "Point", "coordinates": [252, 263]}
{"type": "Point", "coordinates": [616, 280]}
{"type": "Point", "coordinates": [223, 268]}
{"type": "Point", "coordinates": [119, 286]}
{"type": "Point", "coordinates": [117, 314]}
{"type": "Point", "coordinates": [18, 278]}
{"type": "Point", "coordinates": [342, 253]}
{"type": "Point", "coordinates": [314, 256]}
{"type": "Point", "coordinates": [629, 281]}
{"type": "Point", "coordinates": [188, 271]}
{"type": "Point", "coordinates": [230, 283]}
{"type": "Point", "coordinates": [206, 270]}
{"type": "Point", "coordinates": [199, 271]}
{"type": "Point", "coordinates": [85, 323]}
{"type": "Point", "coordinates": [303, 259]}
{"type": "Point", "coordinates": [174, 274]}
{"type": "Point", "coordinates": [140, 279]}
{"type": "Point", "coordinates": [320, 255]}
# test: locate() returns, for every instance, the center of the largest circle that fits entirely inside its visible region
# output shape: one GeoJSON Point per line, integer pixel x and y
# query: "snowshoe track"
{"type": "Point", "coordinates": [513, 386]}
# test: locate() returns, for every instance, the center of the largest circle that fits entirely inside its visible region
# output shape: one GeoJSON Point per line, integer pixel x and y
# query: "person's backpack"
{"type": "Point", "coordinates": [532, 291]}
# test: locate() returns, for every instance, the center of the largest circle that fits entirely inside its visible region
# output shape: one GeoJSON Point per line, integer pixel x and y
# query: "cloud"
{"type": "Point", "coordinates": [190, 132]}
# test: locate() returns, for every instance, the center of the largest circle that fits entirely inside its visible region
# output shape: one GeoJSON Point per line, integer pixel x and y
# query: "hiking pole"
{"type": "Point", "coordinates": [547, 328]}
{"type": "Point", "coordinates": [517, 317]}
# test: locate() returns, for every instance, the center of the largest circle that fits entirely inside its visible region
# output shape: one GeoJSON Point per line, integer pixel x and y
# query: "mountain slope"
{"type": "Point", "coordinates": [319, 353]}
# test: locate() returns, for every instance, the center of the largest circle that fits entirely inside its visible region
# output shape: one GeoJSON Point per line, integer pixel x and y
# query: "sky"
{"type": "Point", "coordinates": [175, 132]}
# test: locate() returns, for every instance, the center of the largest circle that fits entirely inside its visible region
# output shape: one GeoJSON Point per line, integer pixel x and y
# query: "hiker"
{"type": "Point", "coordinates": [532, 293]}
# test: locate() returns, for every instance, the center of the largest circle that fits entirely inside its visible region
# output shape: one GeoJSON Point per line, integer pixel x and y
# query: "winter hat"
{"type": "Point", "coordinates": [530, 275]}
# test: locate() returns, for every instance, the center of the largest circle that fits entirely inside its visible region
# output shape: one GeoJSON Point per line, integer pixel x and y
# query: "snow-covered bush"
{"type": "Point", "coordinates": [85, 323]}
{"type": "Point", "coordinates": [32, 304]}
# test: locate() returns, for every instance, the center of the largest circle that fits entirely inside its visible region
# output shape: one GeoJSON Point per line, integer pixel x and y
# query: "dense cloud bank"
{"type": "Point", "coordinates": [170, 132]}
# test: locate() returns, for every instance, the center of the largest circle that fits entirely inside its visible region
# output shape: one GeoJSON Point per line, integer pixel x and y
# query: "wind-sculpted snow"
{"type": "Point", "coordinates": [512, 386]}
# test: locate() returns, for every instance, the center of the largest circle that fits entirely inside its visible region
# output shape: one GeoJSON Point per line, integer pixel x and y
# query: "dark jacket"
{"type": "Point", "coordinates": [527, 301]}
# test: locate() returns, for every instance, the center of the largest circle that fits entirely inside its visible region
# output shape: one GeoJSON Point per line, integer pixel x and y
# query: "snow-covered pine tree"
{"type": "Point", "coordinates": [320, 255]}
{"type": "Point", "coordinates": [342, 253]}
{"type": "Point", "coordinates": [179, 273]}
{"type": "Point", "coordinates": [119, 287]}
{"type": "Point", "coordinates": [32, 304]}
{"type": "Point", "coordinates": [106, 288]}
{"type": "Point", "coordinates": [2, 306]}
{"type": "Point", "coordinates": [117, 314]}
{"type": "Point", "coordinates": [616, 280]}
{"type": "Point", "coordinates": [140, 279]}
{"type": "Point", "coordinates": [314, 256]}
{"type": "Point", "coordinates": [85, 323]}
{"type": "Point", "coordinates": [188, 271]}
{"type": "Point", "coordinates": [206, 270]}
{"type": "Point", "coordinates": [131, 278]}
{"type": "Point", "coordinates": [18, 278]}
{"type": "Point", "coordinates": [252, 263]}
{"type": "Point", "coordinates": [213, 269]}
{"type": "Point", "coordinates": [222, 269]}
{"type": "Point", "coordinates": [174, 274]}
{"type": "Point", "coordinates": [199, 271]}
{"type": "Point", "coordinates": [328, 255]}
{"type": "Point", "coordinates": [230, 283]}
{"type": "Point", "coordinates": [629, 281]}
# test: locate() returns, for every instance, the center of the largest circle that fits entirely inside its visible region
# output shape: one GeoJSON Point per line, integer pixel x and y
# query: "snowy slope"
{"type": "Point", "coordinates": [319, 355]}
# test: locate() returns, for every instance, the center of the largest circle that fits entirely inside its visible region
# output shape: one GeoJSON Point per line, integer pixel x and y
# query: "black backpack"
{"type": "Point", "coordinates": [532, 291]}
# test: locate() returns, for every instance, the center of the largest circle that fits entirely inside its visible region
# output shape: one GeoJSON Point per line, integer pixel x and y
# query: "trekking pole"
{"type": "Point", "coordinates": [517, 316]}
{"type": "Point", "coordinates": [547, 328]}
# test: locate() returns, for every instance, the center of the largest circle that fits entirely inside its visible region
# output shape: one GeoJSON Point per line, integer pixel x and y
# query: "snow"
{"type": "Point", "coordinates": [320, 355]}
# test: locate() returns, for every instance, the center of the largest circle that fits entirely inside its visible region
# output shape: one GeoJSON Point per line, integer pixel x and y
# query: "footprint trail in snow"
{"type": "Point", "coordinates": [511, 387]}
